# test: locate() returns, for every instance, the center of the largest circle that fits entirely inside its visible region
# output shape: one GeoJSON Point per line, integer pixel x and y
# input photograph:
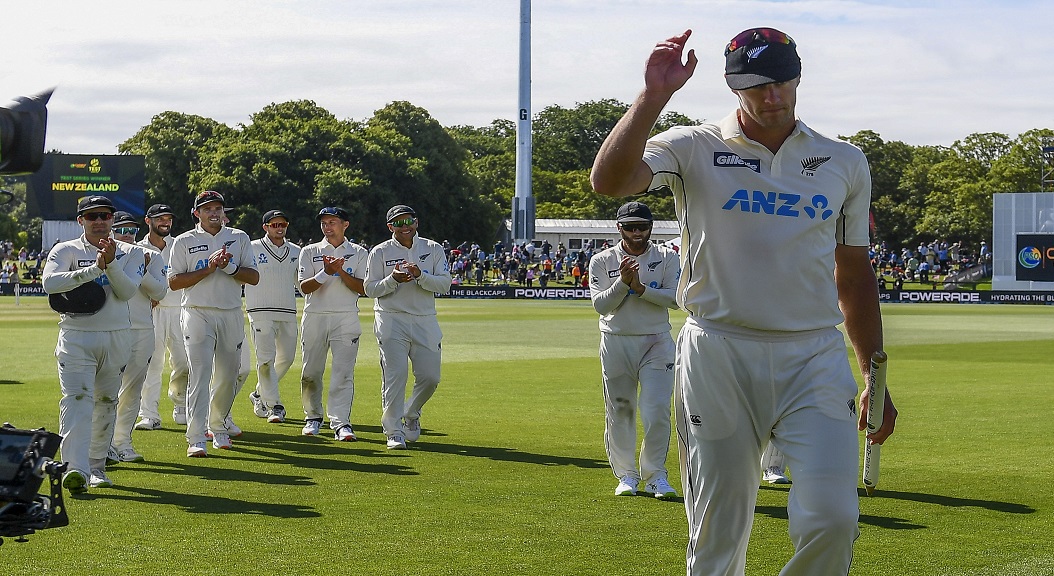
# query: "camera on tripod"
{"type": "Point", "coordinates": [26, 459]}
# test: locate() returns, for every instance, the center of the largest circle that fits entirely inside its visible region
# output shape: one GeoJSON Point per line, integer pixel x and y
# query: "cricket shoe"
{"type": "Point", "coordinates": [276, 415]}
{"type": "Point", "coordinates": [661, 489]}
{"type": "Point", "coordinates": [412, 428]}
{"type": "Point", "coordinates": [221, 441]}
{"type": "Point", "coordinates": [345, 433]}
{"type": "Point", "coordinates": [258, 406]}
{"type": "Point", "coordinates": [148, 424]}
{"type": "Point", "coordinates": [197, 450]}
{"type": "Point", "coordinates": [774, 475]}
{"type": "Point", "coordinates": [99, 479]}
{"type": "Point", "coordinates": [75, 481]}
{"type": "Point", "coordinates": [179, 415]}
{"type": "Point", "coordinates": [232, 429]}
{"type": "Point", "coordinates": [113, 456]}
{"type": "Point", "coordinates": [627, 486]}
{"type": "Point", "coordinates": [396, 442]}
{"type": "Point", "coordinates": [311, 427]}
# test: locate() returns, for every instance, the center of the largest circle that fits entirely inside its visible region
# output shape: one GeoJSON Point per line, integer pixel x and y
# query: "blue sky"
{"type": "Point", "coordinates": [919, 72]}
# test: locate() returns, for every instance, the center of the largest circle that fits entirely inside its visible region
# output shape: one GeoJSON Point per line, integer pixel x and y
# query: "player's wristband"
{"type": "Point", "coordinates": [228, 270]}
{"type": "Point", "coordinates": [321, 277]}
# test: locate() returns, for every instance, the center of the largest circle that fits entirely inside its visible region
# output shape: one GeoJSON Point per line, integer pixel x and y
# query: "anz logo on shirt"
{"type": "Point", "coordinates": [262, 258]}
{"type": "Point", "coordinates": [779, 204]}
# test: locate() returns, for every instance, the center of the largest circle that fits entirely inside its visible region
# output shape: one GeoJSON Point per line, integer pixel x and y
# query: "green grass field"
{"type": "Point", "coordinates": [510, 476]}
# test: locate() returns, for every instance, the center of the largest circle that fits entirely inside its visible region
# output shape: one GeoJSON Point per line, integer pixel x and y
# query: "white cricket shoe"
{"type": "Point", "coordinates": [661, 489]}
{"type": "Point", "coordinates": [196, 450]}
{"type": "Point", "coordinates": [258, 406]}
{"type": "Point", "coordinates": [345, 433]}
{"type": "Point", "coordinates": [396, 442]}
{"type": "Point", "coordinates": [412, 429]}
{"type": "Point", "coordinates": [179, 415]}
{"type": "Point", "coordinates": [276, 415]}
{"type": "Point", "coordinates": [99, 479]}
{"type": "Point", "coordinates": [129, 454]}
{"type": "Point", "coordinates": [148, 424]}
{"type": "Point", "coordinates": [232, 429]}
{"type": "Point", "coordinates": [774, 475]}
{"type": "Point", "coordinates": [627, 486]}
{"type": "Point", "coordinates": [311, 427]}
{"type": "Point", "coordinates": [221, 441]}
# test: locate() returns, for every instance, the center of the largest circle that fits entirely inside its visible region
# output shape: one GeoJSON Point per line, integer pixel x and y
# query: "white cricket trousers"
{"type": "Point", "coordinates": [275, 344]}
{"type": "Point", "coordinates": [131, 394]}
{"type": "Point", "coordinates": [338, 332]}
{"type": "Point", "coordinates": [89, 366]}
{"type": "Point", "coordinates": [638, 377]}
{"type": "Point", "coordinates": [733, 393]}
{"type": "Point", "coordinates": [168, 335]}
{"type": "Point", "coordinates": [213, 338]}
{"type": "Point", "coordinates": [402, 339]}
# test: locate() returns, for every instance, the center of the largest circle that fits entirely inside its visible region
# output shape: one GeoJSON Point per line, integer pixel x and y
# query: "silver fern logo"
{"type": "Point", "coordinates": [755, 52]}
{"type": "Point", "coordinates": [809, 165]}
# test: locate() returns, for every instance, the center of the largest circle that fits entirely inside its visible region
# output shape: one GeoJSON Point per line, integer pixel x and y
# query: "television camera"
{"type": "Point", "coordinates": [26, 456]}
{"type": "Point", "coordinates": [26, 459]}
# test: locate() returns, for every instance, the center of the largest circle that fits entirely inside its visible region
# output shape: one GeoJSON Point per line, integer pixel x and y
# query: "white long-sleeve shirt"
{"type": "Point", "coordinates": [172, 297]}
{"type": "Point", "coordinates": [154, 287]}
{"type": "Point", "coordinates": [73, 263]}
{"type": "Point", "coordinates": [623, 312]}
{"type": "Point", "coordinates": [274, 297]}
{"type": "Point", "coordinates": [416, 297]}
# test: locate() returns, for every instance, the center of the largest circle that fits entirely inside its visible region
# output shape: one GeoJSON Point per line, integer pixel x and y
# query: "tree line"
{"type": "Point", "coordinates": [298, 157]}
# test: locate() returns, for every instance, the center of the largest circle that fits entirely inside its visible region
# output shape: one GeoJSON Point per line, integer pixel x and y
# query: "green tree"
{"type": "Point", "coordinates": [293, 156]}
{"type": "Point", "coordinates": [411, 159]}
{"type": "Point", "coordinates": [173, 144]}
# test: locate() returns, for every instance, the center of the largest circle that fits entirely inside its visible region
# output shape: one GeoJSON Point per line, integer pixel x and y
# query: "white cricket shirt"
{"type": "Point", "coordinates": [333, 296]}
{"type": "Point", "coordinates": [172, 297]}
{"type": "Point", "coordinates": [73, 263]}
{"type": "Point", "coordinates": [416, 297]}
{"type": "Point", "coordinates": [621, 311]}
{"type": "Point", "coordinates": [758, 230]}
{"type": "Point", "coordinates": [191, 251]}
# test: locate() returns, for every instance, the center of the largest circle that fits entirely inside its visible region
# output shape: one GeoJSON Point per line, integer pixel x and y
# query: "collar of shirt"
{"type": "Point", "coordinates": [731, 130]}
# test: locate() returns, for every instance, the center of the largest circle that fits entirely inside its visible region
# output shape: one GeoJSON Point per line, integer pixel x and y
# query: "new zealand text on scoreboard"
{"type": "Point", "coordinates": [53, 191]}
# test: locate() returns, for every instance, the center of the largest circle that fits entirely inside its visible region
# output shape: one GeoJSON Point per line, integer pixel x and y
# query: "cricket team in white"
{"type": "Point", "coordinates": [110, 359]}
{"type": "Point", "coordinates": [774, 220]}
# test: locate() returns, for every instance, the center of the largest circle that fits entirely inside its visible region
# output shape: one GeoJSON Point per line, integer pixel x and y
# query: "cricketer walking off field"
{"type": "Point", "coordinates": [330, 275]}
{"type": "Point", "coordinates": [271, 306]}
{"type": "Point", "coordinates": [153, 287]}
{"type": "Point", "coordinates": [168, 335]}
{"type": "Point", "coordinates": [403, 276]}
{"type": "Point", "coordinates": [210, 263]}
{"type": "Point", "coordinates": [92, 348]}
{"type": "Point", "coordinates": [632, 287]}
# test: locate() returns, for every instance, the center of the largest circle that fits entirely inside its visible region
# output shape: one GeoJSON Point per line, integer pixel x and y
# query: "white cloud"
{"type": "Point", "coordinates": [920, 72]}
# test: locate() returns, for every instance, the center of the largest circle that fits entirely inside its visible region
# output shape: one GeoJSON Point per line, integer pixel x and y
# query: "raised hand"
{"type": "Point", "coordinates": [666, 70]}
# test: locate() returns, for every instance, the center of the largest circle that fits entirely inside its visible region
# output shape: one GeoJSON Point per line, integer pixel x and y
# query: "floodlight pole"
{"type": "Point", "coordinates": [523, 201]}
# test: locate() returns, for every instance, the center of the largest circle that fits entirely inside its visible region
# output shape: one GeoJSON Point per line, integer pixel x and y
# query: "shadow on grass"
{"type": "Point", "coordinates": [504, 454]}
{"type": "Point", "coordinates": [952, 501]}
{"type": "Point", "coordinates": [780, 512]}
{"type": "Point", "coordinates": [11, 382]}
{"type": "Point", "coordinates": [283, 449]}
{"type": "Point", "coordinates": [202, 504]}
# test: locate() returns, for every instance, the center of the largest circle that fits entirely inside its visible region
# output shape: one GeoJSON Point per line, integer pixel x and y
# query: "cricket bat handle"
{"type": "Point", "coordinates": [876, 385]}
